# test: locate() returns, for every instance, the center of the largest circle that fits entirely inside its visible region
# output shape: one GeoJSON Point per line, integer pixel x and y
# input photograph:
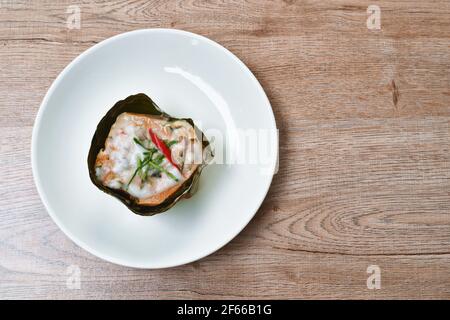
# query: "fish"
{"type": "Point", "coordinates": [146, 158]}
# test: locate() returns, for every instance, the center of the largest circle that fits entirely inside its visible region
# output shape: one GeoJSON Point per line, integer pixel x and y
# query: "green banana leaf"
{"type": "Point", "coordinates": [142, 104]}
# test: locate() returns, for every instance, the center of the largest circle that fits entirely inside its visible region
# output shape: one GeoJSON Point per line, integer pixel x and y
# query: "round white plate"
{"type": "Point", "coordinates": [188, 76]}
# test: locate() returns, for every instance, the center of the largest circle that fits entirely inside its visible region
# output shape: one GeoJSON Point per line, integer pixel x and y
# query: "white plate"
{"type": "Point", "coordinates": [188, 76]}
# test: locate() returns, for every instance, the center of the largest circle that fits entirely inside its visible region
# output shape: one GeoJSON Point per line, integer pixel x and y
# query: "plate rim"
{"type": "Point", "coordinates": [37, 125]}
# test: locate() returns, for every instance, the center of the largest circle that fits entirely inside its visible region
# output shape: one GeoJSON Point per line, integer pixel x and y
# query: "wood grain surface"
{"type": "Point", "coordinates": [364, 178]}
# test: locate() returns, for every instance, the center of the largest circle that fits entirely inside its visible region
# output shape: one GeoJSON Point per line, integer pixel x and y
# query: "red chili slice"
{"type": "Point", "coordinates": [162, 147]}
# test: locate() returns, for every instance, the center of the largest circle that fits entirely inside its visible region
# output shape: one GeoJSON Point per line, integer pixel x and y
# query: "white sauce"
{"type": "Point", "coordinates": [122, 154]}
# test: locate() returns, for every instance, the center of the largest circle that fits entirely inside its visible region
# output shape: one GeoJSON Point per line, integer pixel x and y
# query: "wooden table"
{"type": "Point", "coordinates": [364, 178]}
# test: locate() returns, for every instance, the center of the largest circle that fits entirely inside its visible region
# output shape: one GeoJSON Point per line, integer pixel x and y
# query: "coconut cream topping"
{"type": "Point", "coordinates": [148, 156]}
